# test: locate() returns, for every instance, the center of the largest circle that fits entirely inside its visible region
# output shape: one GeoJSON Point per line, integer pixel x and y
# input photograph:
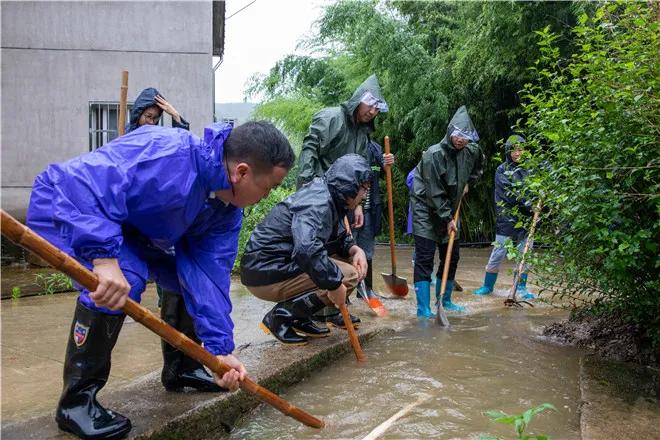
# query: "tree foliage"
{"type": "Point", "coordinates": [431, 58]}
{"type": "Point", "coordinates": [592, 122]}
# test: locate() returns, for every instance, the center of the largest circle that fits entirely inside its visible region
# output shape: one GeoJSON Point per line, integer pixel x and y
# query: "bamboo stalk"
{"type": "Point", "coordinates": [123, 93]}
{"type": "Point", "coordinates": [387, 424]}
{"type": "Point", "coordinates": [28, 239]}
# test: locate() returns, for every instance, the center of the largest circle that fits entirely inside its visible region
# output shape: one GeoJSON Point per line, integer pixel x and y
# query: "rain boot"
{"type": "Point", "coordinates": [86, 370]}
{"type": "Point", "coordinates": [279, 322]}
{"type": "Point", "coordinates": [522, 288]}
{"type": "Point", "coordinates": [179, 370]}
{"type": "Point", "coordinates": [423, 294]}
{"type": "Point", "coordinates": [337, 321]}
{"type": "Point", "coordinates": [304, 306]}
{"type": "Point", "coordinates": [446, 299]}
{"type": "Point", "coordinates": [489, 284]}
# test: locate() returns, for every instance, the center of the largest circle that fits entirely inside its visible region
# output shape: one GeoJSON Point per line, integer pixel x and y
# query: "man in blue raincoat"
{"type": "Point", "coordinates": [120, 209]}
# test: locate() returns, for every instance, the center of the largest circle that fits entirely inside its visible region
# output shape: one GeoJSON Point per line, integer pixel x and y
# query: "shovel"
{"type": "Point", "coordinates": [28, 239]}
{"type": "Point", "coordinates": [441, 316]}
{"type": "Point", "coordinates": [397, 285]}
{"type": "Point", "coordinates": [373, 302]}
{"type": "Point", "coordinates": [512, 300]}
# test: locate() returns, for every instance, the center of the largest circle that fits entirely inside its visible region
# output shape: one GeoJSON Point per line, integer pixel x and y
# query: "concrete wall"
{"type": "Point", "coordinates": [59, 56]}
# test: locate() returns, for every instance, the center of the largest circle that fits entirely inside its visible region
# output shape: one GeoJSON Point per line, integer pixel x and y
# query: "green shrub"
{"type": "Point", "coordinates": [592, 125]}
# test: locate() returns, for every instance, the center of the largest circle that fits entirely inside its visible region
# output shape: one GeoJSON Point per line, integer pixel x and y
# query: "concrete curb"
{"type": "Point", "coordinates": [157, 414]}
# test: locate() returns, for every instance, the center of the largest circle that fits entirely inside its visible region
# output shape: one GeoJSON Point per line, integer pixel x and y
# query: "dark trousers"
{"type": "Point", "coordinates": [425, 256]}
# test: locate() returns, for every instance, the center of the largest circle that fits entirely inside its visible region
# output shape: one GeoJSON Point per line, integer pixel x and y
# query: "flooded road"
{"type": "Point", "coordinates": [490, 360]}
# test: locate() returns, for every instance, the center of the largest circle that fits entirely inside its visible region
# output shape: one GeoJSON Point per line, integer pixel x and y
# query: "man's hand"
{"type": "Point", "coordinates": [466, 189]}
{"type": "Point", "coordinates": [388, 159]}
{"type": "Point", "coordinates": [359, 218]}
{"type": "Point", "coordinates": [359, 261]}
{"type": "Point", "coordinates": [113, 288]}
{"type": "Point", "coordinates": [451, 227]}
{"type": "Point", "coordinates": [338, 296]}
{"type": "Point", "coordinates": [232, 378]}
{"type": "Point", "coordinates": [167, 108]}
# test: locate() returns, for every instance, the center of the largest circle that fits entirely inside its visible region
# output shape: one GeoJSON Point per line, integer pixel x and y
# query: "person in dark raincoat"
{"type": "Point", "coordinates": [507, 175]}
{"type": "Point", "coordinates": [441, 179]}
{"type": "Point", "coordinates": [334, 132]}
{"type": "Point", "coordinates": [149, 107]}
{"type": "Point", "coordinates": [120, 209]}
{"type": "Point", "coordinates": [179, 370]}
{"type": "Point", "coordinates": [290, 257]}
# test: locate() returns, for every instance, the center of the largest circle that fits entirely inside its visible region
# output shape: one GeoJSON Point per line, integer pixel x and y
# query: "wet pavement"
{"type": "Point", "coordinates": [34, 334]}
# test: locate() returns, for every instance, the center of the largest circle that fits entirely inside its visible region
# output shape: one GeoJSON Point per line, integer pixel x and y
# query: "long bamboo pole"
{"type": "Point", "coordinates": [28, 239]}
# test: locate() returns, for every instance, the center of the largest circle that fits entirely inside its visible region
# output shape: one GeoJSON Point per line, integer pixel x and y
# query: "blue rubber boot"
{"type": "Point", "coordinates": [446, 299]}
{"type": "Point", "coordinates": [489, 284]}
{"type": "Point", "coordinates": [423, 294]}
{"type": "Point", "coordinates": [522, 288]}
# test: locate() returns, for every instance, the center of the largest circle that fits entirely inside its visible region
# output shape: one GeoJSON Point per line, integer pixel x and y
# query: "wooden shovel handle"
{"type": "Point", "coordinates": [450, 248]}
{"type": "Point", "coordinates": [123, 94]}
{"type": "Point", "coordinates": [28, 239]}
{"type": "Point", "coordinates": [390, 206]}
{"type": "Point", "coordinates": [530, 237]}
{"type": "Point", "coordinates": [352, 336]}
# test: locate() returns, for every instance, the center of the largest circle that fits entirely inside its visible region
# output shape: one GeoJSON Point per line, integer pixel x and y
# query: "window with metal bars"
{"type": "Point", "coordinates": [103, 118]}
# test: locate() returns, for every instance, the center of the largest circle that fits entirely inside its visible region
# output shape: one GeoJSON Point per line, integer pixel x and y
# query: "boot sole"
{"type": "Point", "coordinates": [269, 333]}
{"type": "Point", "coordinates": [330, 324]}
{"type": "Point", "coordinates": [310, 335]}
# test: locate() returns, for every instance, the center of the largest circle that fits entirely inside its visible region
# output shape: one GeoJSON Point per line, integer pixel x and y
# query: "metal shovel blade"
{"type": "Point", "coordinates": [441, 316]}
{"type": "Point", "coordinates": [397, 285]}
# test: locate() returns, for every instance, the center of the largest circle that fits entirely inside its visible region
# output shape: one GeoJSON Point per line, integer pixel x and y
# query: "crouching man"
{"type": "Point", "coordinates": [288, 257]}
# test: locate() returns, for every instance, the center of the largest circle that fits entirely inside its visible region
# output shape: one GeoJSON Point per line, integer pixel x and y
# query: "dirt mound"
{"type": "Point", "coordinates": [609, 336]}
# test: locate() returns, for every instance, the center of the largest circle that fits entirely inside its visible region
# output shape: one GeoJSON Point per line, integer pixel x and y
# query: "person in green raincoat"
{"type": "Point", "coordinates": [334, 132]}
{"type": "Point", "coordinates": [442, 177]}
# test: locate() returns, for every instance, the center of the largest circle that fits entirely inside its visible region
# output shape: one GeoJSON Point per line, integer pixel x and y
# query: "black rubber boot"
{"type": "Point", "coordinates": [179, 370]}
{"type": "Point", "coordinates": [86, 369]}
{"type": "Point", "coordinates": [305, 306]}
{"type": "Point", "coordinates": [338, 321]}
{"type": "Point", "coordinates": [278, 323]}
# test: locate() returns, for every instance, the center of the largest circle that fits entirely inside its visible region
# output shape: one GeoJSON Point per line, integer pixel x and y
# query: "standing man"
{"type": "Point", "coordinates": [120, 209]}
{"type": "Point", "coordinates": [507, 176]}
{"type": "Point", "coordinates": [441, 179]}
{"type": "Point", "coordinates": [334, 132]}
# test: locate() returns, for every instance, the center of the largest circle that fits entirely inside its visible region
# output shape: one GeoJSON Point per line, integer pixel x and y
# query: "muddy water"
{"type": "Point", "coordinates": [486, 361]}
{"type": "Point", "coordinates": [491, 358]}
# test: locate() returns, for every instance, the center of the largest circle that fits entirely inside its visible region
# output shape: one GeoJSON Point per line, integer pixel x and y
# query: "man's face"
{"type": "Point", "coordinates": [459, 142]}
{"type": "Point", "coordinates": [353, 202]}
{"type": "Point", "coordinates": [365, 113]}
{"type": "Point", "coordinates": [250, 186]}
{"type": "Point", "coordinates": [516, 154]}
{"type": "Point", "coordinates": [150, 116]}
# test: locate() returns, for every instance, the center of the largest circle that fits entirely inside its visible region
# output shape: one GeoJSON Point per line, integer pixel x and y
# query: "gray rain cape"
{"type": "Point", "coordinates": [301, 233]}
{"type": "Point", "coordinates": [334, 132]}
{"type": "Point", "coordinates": [440, 178]}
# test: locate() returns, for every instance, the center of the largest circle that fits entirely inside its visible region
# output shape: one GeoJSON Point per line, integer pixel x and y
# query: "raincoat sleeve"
{"type": "Point", "coordinates": [433, 170]}
{"type": "Point", "coordinates": [311, 230]}
{"type": "Point", "coordinates": [478, 167]}
{"type": "Point", "coordinates": [90, 205]}
{"type": "Point", "coordinates": [204, 261]}
{"type": "Point", "coordinates": [506, 193]}
{"type": "Point", "coordinates": [322, 131]}
{"type": "Point", "coordinates": [183, 124]}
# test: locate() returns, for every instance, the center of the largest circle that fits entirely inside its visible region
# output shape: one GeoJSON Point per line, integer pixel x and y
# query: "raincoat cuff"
{"type": "Point", "coordinates": [220, 348]}
{"type": "Point", "coordinates": [91, 254]}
